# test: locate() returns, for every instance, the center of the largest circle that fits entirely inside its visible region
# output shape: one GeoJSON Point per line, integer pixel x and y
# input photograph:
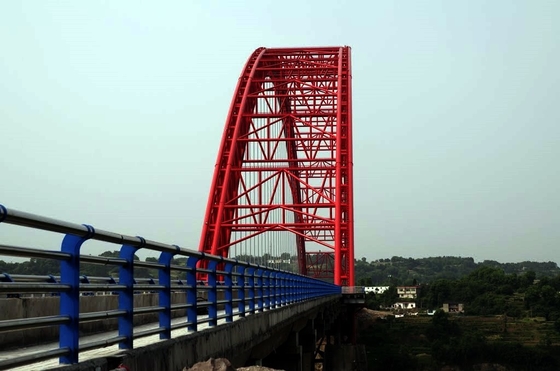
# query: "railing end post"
{"type": "Point", "coordinates": [3, 213]}
{"type": "Point", "coordinates": [69, 335]}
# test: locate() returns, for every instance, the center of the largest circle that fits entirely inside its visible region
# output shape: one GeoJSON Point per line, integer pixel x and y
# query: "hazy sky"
{"type": "Point", "coordinates": [111, 113]}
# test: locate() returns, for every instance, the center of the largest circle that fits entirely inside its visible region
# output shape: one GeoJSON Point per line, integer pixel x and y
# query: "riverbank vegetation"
{"type": "Point", "coordinates": [510, 321]}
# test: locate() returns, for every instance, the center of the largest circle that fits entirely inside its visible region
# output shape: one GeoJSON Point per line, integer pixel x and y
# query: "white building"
{"type": "Point", "coordinates": [376, 289]}
{"type": "Point", "coordinates": [407, 292]}
{"type": "Point", "coordinates": [404, 305]}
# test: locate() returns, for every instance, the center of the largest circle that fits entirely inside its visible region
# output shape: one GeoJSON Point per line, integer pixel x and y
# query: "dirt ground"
{"type": "Point", "coordinates": [367, 317]}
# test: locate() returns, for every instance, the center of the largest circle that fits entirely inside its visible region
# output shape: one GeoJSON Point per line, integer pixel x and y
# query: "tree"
{"type": "Point", "coordinates": [285, 256]}
{"type": "Point", "coordinates": [389, 297]}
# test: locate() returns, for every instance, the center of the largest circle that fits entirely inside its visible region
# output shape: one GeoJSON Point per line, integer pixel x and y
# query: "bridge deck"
{"type": "Point", "coordinates": [100, 352]}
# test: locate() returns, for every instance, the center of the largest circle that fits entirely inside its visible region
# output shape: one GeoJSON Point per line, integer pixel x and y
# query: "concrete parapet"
{"type": "Point", "coordinates": [50, 306]}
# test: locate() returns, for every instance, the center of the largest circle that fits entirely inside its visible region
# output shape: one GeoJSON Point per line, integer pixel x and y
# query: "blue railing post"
{"type": "Point", "coordinates": [6, 278]}
{"type": "Point", "coordinates": [291, 288]}
{"type": "Point", "coordinates": [311, 293]}
{"type": "Point", "coordinates": [260, 290]}
{"type": "Point", "coordinates": [280, 290]}
{"type": "Point", "coordinates": [3, 213]}
{"type": "Point", "coordinates": [305, 289]}
{"type": "Point", "coordinates": [213, 294]}
{"type": "Point", "coordinates": [295, 280]}
{"type": "Point", "coordinates": [126, 297]}
{"type": "Point", "coordinates": [228, 283]}
{"type": "Point", "coordinates": [295, 288]}
{"type": "Point", "coordinates": [288, 289]}
{"type": "Point", "coordinates": [251, 284]}
{"type": "Point", "coordinates": [192, 293]}
{"type": "Point", "coordinates": [241, 291]}
{"type": "Point", "coordinates": [164, 276]}
{"type": "Point", "coordinates": [274, 289]}
{"type": "Point", "coordinates": [69, 335]}
{"type": "Point", "coordinates": [266, 283]}
{"type": "Point", "coordinates": [300, 288]}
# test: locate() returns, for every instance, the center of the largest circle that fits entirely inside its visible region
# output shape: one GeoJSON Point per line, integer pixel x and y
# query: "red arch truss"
{"type": "Point", "coordinates": [285, 160]}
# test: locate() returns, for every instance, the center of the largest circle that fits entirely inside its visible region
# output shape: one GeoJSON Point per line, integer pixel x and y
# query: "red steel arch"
{"type": "Point", "coordinates": [286, 152]}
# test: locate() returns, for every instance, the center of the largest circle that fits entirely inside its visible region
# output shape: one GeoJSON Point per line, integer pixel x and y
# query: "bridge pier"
{"type": "Point", "coordinates": [308, 338]}
{"type": "Point", "coordinates": [339, 351]}
{"type": "Point", "coordinates": [297, 351]}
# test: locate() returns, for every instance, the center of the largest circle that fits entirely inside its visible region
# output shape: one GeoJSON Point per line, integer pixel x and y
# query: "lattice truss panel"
{"type": "Point", "coordinates": [282, 185]}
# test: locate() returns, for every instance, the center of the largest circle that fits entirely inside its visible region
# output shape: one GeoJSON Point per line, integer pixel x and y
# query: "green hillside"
{"type": "Point", "coordinates": [406, 271]}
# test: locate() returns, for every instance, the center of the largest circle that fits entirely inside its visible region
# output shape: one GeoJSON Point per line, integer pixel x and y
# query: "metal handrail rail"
{"type": "Point", "coordinates": [247, 288]}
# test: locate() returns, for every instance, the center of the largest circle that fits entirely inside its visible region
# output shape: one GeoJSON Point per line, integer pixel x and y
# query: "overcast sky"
{"type": "Point", "coordinates": [111, 113]}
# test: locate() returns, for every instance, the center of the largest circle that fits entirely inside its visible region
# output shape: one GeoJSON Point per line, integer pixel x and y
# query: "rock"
{"type": "Point", "coordinates": [219, 364]}
{"type": "Point", "coordinates": [222, 364]}
{"type": "Point", "coordinates": [489, 367]}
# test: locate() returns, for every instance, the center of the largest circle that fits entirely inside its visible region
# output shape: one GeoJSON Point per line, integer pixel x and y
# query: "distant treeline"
{"type": "Point", "coordinates": [381, 272]}
{"type": "Point", "coordinates": [38, 266]}
{"type": "Point", "coordinates": [406, 271]}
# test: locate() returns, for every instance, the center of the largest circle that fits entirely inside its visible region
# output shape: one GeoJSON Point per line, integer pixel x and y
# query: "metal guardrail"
{"type": "Point", "coordinates": [244, 285]}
